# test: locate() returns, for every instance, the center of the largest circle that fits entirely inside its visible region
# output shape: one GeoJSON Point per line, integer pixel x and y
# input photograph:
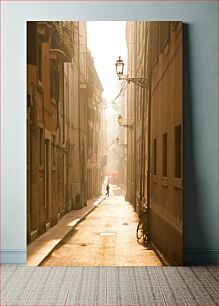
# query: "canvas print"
{"type": "Point", "coordinates": [104, 143]}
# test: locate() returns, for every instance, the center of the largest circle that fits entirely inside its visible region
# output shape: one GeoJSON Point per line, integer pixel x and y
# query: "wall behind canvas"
{"type": "Point", "coordinates": [200, 112]}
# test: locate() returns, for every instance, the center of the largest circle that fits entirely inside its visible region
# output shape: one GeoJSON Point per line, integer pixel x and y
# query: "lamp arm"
{"type": "Point", "coordinates": [141, 82]}
{"type": "Point", "coordinates": [127, 125]}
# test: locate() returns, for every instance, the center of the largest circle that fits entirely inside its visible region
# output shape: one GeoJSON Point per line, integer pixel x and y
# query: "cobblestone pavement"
{"type": "Point", "coordinates": [106, 237]}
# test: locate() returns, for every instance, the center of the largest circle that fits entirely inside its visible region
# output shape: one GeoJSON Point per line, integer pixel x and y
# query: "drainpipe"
{"type": "Point", "coordinates": [149, 161]}
{"type": "Point", "coordinates": [142, 178]}
{"type": "Point", "coordinates": [135, 125]}
{"type": "Point", "coordinates": [149, 75]}
{"type": "Point", "coordinates": [79, 118]}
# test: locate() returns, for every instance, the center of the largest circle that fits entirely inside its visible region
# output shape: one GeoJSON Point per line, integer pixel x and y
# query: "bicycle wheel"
{"type": "Point", "coordinates": [140, 233]}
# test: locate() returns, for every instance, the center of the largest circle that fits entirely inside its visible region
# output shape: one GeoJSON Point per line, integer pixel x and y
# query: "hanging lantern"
{"type": "Point", "coordinates": [119, 67]}
{"type": "Point", "coordinates": [120, 119]}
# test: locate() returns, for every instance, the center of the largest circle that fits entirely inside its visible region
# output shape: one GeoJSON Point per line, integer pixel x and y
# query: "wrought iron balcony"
{"type": "Point", "coordinates": [64, 36]}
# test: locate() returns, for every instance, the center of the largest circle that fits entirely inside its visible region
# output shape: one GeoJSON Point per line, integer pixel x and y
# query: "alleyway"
{"type": "Point", "coordinates": [106, 237]}
{"type": "Point", "coordinates": [98, 115]}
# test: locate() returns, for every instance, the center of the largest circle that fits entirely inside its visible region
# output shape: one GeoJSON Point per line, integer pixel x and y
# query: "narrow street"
{"type": "Point", "coordinates": [106, 237]}
{"type": "Point", "coordinates": [100, 117]}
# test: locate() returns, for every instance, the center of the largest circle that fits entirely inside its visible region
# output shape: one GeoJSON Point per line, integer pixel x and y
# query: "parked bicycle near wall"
{"type": "Point", "coordinates": [142, 228]}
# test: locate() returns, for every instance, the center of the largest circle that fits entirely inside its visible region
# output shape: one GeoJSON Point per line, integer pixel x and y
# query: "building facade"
{"type": "Point", "coordinates": [57, 115]}
{"type": "Point", "coordinates": [154, 172]}
{"type": "Point", "coordinates": [95, 141]}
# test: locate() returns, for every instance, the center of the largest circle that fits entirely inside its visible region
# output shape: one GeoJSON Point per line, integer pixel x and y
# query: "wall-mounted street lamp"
{"type": "Point", "coordinates": [125, 125]}
{"type": "Point", "coordinates": [142, 82]}
{"type": "Point", "coordinates": [119, 67]}
{"type": "Point", "coordinates": [121, 144]}
{"type": "Point", "coordinates": [120, 119]}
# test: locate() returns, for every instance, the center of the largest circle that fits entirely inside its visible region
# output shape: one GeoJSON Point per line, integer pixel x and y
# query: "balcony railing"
{"type": "Point", "coordinates": [64, 33]}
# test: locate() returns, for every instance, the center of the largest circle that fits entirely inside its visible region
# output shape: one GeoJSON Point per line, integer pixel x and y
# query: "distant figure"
{"type": "Point", "coordinates": [107, 190]}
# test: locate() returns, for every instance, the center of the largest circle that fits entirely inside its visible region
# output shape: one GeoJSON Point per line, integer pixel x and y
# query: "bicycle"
{"type": "Point", "coordinates": [142, 227]}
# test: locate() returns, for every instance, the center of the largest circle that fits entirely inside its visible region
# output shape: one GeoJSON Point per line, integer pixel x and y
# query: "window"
{"type": "Point", "coordinates": [39, 60]}
{"type": "Point", "coordinates": [53, 150]}
{"type": "Point", "coordinates": [72, 156]}
{"type": "Point", "coordinates": [90, 137]}
{"type": "Point", "coordinates": [31, 43]}
{"type": "Point", "coordinates": [178, 158]}
{"type": "Point", "coordinates": [165, 154]}
{"type": "Point", "coordinates": [154, 26]}
{"type": "Point", "coordinates": [155, 156]}
{"type": "Point", "coordinates": [54, 83]}
{"type": "Point", "coordinates": [164, 34]}
{"type": "Point", "coordinates": [41, 146]}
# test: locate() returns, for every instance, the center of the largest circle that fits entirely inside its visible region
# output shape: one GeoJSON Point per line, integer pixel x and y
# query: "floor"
{"type": "Point", "coordinates": [122, 286]}
{"type": "Point", "coordinates": [106, 237]}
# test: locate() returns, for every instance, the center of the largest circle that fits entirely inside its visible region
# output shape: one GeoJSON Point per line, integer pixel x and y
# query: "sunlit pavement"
{"type": "Point", "coordinates": [106, 237]}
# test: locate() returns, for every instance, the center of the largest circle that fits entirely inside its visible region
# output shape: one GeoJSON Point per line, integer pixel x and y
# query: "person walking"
{"type": "Point", "coordinates": [107, 190]}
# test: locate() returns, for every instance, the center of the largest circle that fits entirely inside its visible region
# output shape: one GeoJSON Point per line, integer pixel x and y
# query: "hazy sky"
{"type": "Point", "coordinates": [107, 41]}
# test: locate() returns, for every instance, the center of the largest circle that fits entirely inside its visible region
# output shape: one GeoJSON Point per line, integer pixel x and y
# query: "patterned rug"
{"type": "Point", "coordinates": [21, 285]}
